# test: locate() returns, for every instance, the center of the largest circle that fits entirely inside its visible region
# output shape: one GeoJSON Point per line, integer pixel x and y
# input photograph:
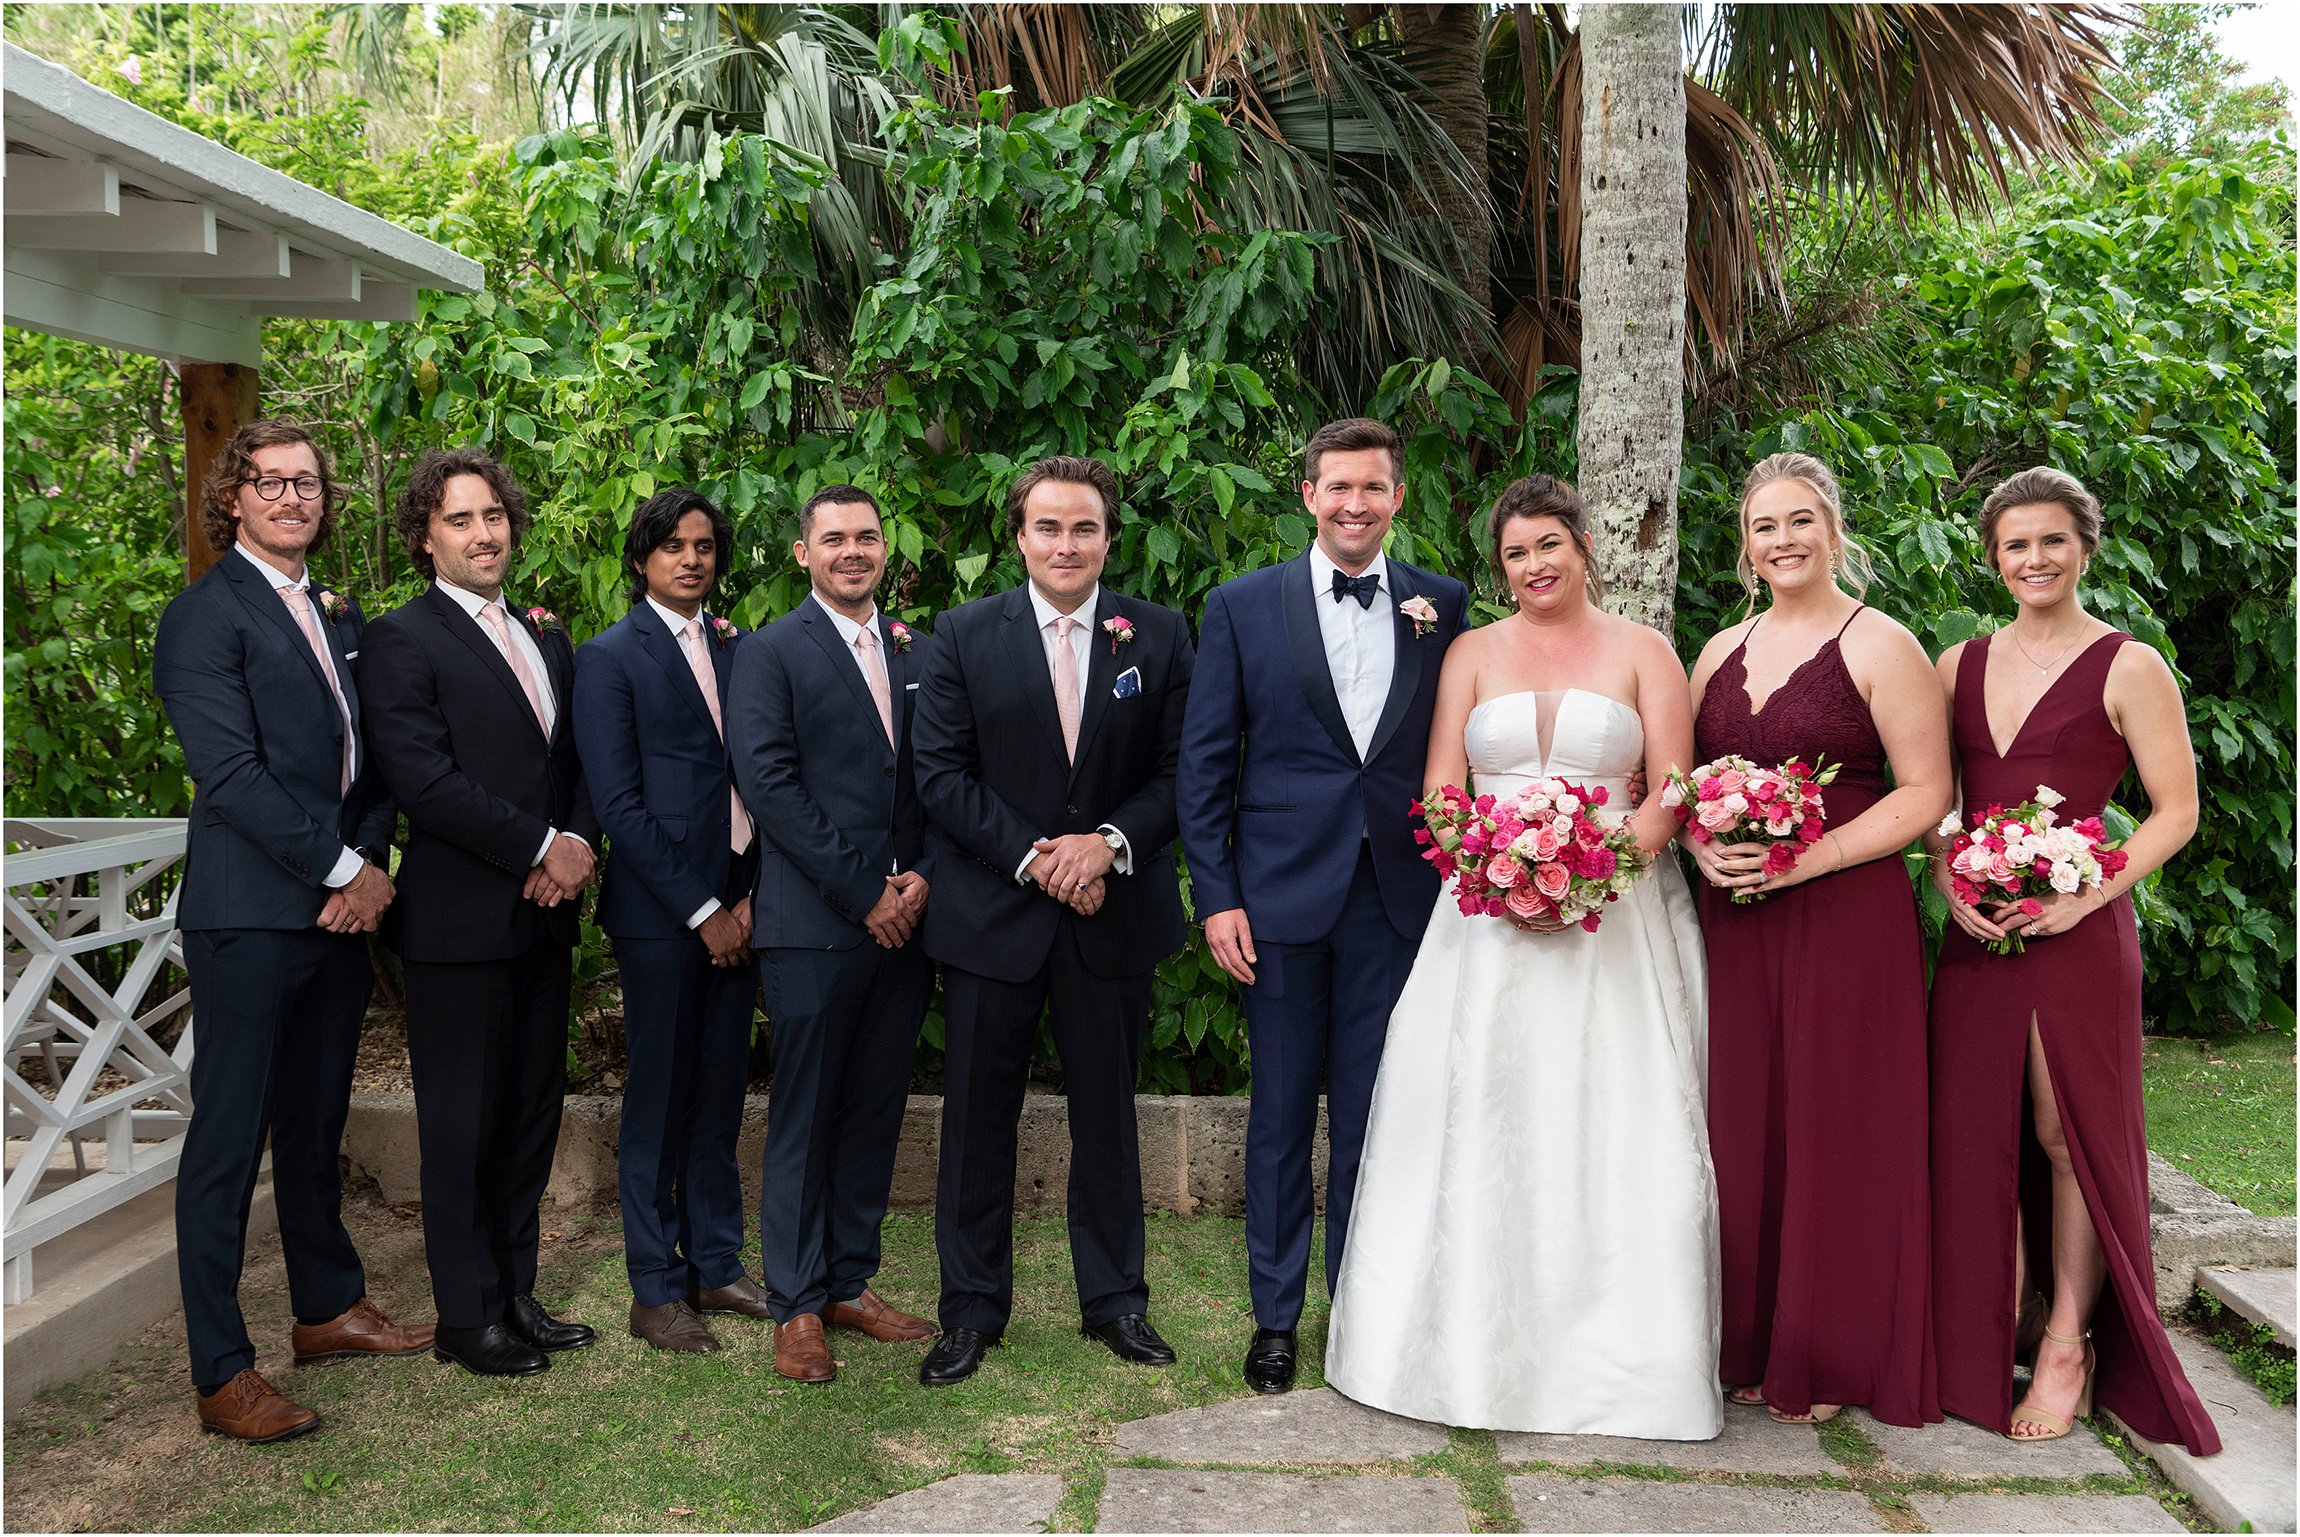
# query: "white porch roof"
{"type": "Point", "coordinates": [124, 229]}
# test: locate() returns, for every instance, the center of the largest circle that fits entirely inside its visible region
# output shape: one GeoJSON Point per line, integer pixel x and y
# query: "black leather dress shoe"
{"type": "Point", "coordinates": [1270, 1361]}
{"type": "Point", "coordinates": [540, 1329]}
{"type": "Point", "coordinates": [492, 1351]}
{"type": "Point", "coordinates": [1132, 1339]}
{"type": "Point", "coordinates": [954, 1357]}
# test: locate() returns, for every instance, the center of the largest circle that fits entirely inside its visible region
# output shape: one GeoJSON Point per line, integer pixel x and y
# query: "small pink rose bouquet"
{"type": "Point", "coordinates": [724, 629]}
{"type": "Point", "coordinates": [2022, 854]}
{"type": "Point", "coordinates": [1419, 610]}
{"type": "Point", "coordinates": [543, 619]}
{"type": "Point", "coordinates": [1120, 629]}
{"type": "Point", "coordinates": [1541, 853]}
{"type": "Point", "coordinates": [333, 605]}
{"type": "Point", "coordinates": [900, 633]}
{"type": "Point", "coordinates": [1732, 800]}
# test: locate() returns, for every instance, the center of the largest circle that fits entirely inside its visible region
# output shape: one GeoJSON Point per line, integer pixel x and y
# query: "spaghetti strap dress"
{"type": "Point", "coordinates": [1817, 1105]}
{"type": "Point", "coordinates": [2082, 988]}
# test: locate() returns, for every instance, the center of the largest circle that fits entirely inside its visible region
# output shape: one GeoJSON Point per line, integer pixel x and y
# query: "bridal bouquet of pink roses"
{"type": "Point", "coordinates": [2020, 855]}
{"type": "Point", "coordinates": [1732, 800]}
{"type": "Point", "coordinates": [1543, 852]}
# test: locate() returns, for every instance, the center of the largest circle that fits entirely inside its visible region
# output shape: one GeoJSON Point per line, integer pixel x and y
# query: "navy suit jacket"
{"type": "Point", "coordinates": [465, 758]}
{"type": "Point", "coordinates": [836, 803]}
{"type": "Point", "coordinates": [1273, 796]}
{"type": "Point", "coordinates": [263, 743]}
{"type": "Point", "coordinates": [993, 779]}
{"type": "Point", "coordinates": [657, 771]}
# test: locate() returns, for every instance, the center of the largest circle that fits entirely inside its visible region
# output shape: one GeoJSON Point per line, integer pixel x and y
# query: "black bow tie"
{"type": "Point", "coordinates": [1361, 588]}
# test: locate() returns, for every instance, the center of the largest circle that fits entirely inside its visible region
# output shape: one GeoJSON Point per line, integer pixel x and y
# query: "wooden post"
{"type": "Point", "coordinates": [219, 399]}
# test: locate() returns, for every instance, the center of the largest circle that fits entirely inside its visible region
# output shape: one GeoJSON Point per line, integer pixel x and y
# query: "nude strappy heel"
{"type": "Point", "coordinates": [2050, 1426]}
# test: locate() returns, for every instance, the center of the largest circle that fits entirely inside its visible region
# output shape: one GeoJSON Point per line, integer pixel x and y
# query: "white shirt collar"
{"type": "Point", "coordinates": [279, 579]}
{"type": "Point", "coordinates": [1322, 567]}
{"type": "Point", "coordinates": [470, 602]}
{"type": "Point", "coordinates": [1047, 613]}
{"type": "Point", "coordinates": [846, 627]}
{"type": "Point", "coordinates": [677, 621]}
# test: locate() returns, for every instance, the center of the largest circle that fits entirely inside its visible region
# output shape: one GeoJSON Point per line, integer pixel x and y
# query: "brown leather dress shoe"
{"type": "Point", "coordinates": [742, 1296]}
{"type": "Point", "coordinates": [247, 1408]}
{"type": "Point", "coordinates": [671, 1326]}
{"type": "Point", "coordinates": [361, 1331]}
{"type": "Point", "coordinates": [800, 1351]}
{"type": "Point", "coordinates": [870, 1314]}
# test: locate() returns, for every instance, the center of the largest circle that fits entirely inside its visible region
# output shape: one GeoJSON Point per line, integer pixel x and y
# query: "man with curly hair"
{"type": "Point", "coordinates": [283, 876]}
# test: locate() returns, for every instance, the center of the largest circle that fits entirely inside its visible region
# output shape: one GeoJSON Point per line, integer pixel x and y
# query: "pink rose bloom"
{"type": "Point", "coordinates": [1526, 902]}
{"type": "Point", "coordinates": [1714, 816]}
{"type": "Point", "coordinates": [1547, 842]}
{"type": "Point", "coordinates": [1553, 881]}
{"type": "Point", "coordinates": [1764, 790]}
{"type": "Point", "coordinates": [1589, 834]}
{"type": "Point", "coordinates": [1504, 871]}
{"type": "Point", "coordinates": [1731, 780]}
{"type": "Point", "coordinates": [1709, 788]}
{"type": "Point", "coordinates": [2000, 868]}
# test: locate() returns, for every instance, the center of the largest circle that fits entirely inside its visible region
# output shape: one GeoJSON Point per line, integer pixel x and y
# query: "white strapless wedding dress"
{"type": "Point", "coordinates": [1534, 1242]}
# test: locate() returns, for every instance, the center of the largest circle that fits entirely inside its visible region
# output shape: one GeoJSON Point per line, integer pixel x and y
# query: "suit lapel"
{"type": "Point", "coordinates": [466, 629]}
{"type": "Point", "coordinates": [897, 677]}
{"type": "Point", "coordinates": [259, 594]}
{"type": "Point", "coordinates": [663, 646]}
{"type": "Point", "coordinates": [1306, 644]}
{"type": "Point", "coordinates": [1406, 675]}
{"type": "Point", "coordinates": [1103, 665]}
{"type": "Point", "coordinates": [1027, 651]}
{"type": "Point", "coordinates": [841, 656]}
{"type": "Point", "coordinates": [558, 667]}
{"type": "Point", "coordinates": [722, 654]}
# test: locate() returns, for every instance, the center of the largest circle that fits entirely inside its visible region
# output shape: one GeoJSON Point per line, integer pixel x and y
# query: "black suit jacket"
{"type": "Point", "coordinates": [835, 802]}
{"type": "Point", "coordinates": [263, 743]}
{"type": "Point", "coordinates": [465, 758]}
{"type": "Point", "coordinates": [992, 777]}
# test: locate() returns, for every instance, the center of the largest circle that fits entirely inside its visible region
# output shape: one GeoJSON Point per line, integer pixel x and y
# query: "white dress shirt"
{"type": "Point", "coordinates": [677, 623]}
{"type": "Point", "coordinates": [848, 630]}
{"type": "Point", "coordinates": [1361, 644]}
{"type": "Point", "coordinates": [345, 870]}
{"type": "Point", "coordinates": [1081, 652]}
{"type": "Point", "coordinates": [471, 603]}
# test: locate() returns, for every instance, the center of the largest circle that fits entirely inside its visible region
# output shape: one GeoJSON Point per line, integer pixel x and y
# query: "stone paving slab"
{"type": "Point", "coordinates": [1959, 1449]}
{"type": "Point", "coordinates": [2251, 1479]}
{"type": "Point", "coordinates": [1546, 1503]}
{"type": "Point", "coordinates": [970, 1502]}
{"type": "Point", "coordinates": [1316, 1426]}
{"type": "Point", "coordinates": [2043, 1513]}
{"type": "Point", "coordinates": [1751, 1443]}
{"type": "Point", "coordinates": [2264, 1296]}
{"type": "Point", "coordinates": [1179, 1500]}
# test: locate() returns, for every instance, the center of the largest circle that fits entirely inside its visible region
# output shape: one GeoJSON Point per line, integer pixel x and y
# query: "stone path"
{"type": "Point", "coordinates": [2263, 1296]}
{"type": "Point", "coordinates": [2252, 1478]}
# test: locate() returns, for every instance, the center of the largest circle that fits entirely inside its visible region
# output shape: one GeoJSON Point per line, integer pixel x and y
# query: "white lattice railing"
{"type": "Point", "coordinates": [90, 933]}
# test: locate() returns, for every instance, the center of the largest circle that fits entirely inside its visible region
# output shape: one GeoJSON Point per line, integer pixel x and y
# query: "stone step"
{"type": "Point", "coordinates": [970, 1502]}
{"type": "Point", "coordinates": [2265, 1296]}
{"type": "Point", "coordinates": [1546, 1503]}
{"type": "Point", "coordinates": [2252, 1478]}
{"type": "Point", "coordinates": [1315, 1426]}
{"type": "Point", "coordinates": [1184, 1500]}
{"type": "Point", "coordinates": [2043, 1513]}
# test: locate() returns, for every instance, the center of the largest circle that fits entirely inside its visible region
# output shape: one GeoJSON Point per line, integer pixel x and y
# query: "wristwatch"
{"type": "Point", "coordinates": [1115, 840]}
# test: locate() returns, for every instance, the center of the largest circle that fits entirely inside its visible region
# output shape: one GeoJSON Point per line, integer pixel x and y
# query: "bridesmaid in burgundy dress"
{"type": "Point", "coordinates": [1817, 992]}
{"type": "Point", "coordinates": [2040, 1154]}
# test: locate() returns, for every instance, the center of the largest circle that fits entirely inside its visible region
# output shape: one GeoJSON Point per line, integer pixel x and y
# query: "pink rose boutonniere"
{"type": "Point", "coordinates": [543, 619]}
{"type": "Point", "coordinates": [1120, 629]}
{"type": "Point", "coordinates": [333, 605]}
{"type": "Point", "coordinates": [1425, 617]}
{"type": "Point", "coordinates": [899, 634]}
{"type": "Point", "coordinates": [724, 629]}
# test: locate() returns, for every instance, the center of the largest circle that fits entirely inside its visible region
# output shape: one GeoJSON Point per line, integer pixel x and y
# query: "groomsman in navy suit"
{"type": "Point", "coordinates": [1049, 719]}
{"type": "Point", "coordinates": [468, 704]}
{"type": "Point", "coordinates": [650, 706]}
{"type": "Point", "coordinates": [819, 720]}
{"type": "Point", "coordinates": [283, 876]}
{"type": "Point", "coordinates": [1308, 728]}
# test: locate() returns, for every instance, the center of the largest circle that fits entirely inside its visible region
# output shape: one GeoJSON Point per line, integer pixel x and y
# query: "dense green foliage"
{"type": "Point", "coordinates": [1061, 291]}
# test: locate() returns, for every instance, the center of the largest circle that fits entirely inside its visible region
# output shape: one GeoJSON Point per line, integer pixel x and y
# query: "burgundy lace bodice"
{"type": "Point", "coordinates": [1817, 713]}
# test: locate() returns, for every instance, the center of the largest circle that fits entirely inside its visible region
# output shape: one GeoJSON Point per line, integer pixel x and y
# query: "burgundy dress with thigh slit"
{"type": "Point", "coordinates": [2082, 988]}
{"type": "Point", "coordinates": [1817, 1083]}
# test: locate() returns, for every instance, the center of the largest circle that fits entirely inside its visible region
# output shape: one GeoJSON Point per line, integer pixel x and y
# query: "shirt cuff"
{"type": "Point", "coordinates": [548, 834]}
{"type": "Point", "coordinates": [1123, 864]}
{"type": "Point", "coordinates": [703, 913]}
{"type": "Point", "coordinates": [1021, 875]}
{"type": "Point", "coordinates": [346, 869]}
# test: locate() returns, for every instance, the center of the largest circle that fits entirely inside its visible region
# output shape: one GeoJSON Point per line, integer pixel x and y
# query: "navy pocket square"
{"type": "Point", "coordinates": [1128, 685]}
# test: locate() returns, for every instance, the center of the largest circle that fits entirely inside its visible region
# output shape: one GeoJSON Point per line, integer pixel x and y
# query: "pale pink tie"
{"type": "Point", "coordinates": [500, 623]}
{"type": "Point", "coordinates": [299, 604]}
{"type": "Point", "coordinates": [1066, 684]}
{"type": "Point", "coordinates": [699, 662]}
{"type": "Point", "coordinates": [874, 672]}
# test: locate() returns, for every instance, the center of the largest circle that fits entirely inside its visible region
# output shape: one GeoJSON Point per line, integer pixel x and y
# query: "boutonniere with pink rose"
{"type": "Point", "coordinates": [1418, 609]}
{"type": "Point", "coordinates": [544, 619]}
{"type": "Point", "coordinates": [898, 635]}
{"type": "Point", "coordinates": [1120, 629]}
{"type": "Point", "coordinates": [333, 605]}
{"type": "Point", "coordinates": [723, 630]}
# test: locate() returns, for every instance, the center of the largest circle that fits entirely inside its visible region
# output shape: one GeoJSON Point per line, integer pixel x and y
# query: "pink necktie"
{"type": "Point", "coordinates": [699, 662]}
{"type": "Point", "coordinates": [874, 672]}
{"type": "Point", "coordinates": [1066, 684]}
{"type": "Point", "coordinates": [500, 623]}
{"type": "Point", "coordinates": [299, 604]}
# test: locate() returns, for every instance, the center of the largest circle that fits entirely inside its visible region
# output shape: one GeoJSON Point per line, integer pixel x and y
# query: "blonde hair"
{"type": "Point", "coordinates": [1851, 560]}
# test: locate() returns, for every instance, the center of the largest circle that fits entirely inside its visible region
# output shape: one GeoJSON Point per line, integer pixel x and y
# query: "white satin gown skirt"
{"type": "Point", "coordinates": [1534, 1241]}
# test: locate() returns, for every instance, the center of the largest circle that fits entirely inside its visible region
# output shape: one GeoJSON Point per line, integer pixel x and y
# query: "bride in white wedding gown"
{"type": "Point", "coordinates": [1534, 1240]}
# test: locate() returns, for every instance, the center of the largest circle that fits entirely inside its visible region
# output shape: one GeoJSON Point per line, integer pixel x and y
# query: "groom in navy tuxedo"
{"type": "Point", "coordinates": [1302, 752]}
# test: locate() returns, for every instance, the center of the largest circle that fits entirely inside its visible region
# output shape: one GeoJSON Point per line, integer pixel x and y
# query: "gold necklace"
{"type": "Point", "coordinates": [2042, 670]}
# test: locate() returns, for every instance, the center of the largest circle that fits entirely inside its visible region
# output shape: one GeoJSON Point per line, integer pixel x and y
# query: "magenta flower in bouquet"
{"type": "Point", "coordinates": [2023, 854]}
{"type": "Point", "coordinates": [1732, 800]}
{"type": "Point", "coordinates": [1543, 852]}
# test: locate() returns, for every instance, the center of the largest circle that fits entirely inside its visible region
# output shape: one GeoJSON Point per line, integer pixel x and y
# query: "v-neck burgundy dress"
{"type": "Point", "coordinates": [1817, 1083]}
{"type": "Point", "coordinates": [2082, 987]}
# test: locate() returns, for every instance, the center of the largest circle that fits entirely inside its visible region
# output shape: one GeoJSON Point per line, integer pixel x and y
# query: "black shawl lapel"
{"type": "Point", "coordinates": [1105, 660]}
{"type": "Point", "coordinates": [466, 629]}
{"type": "Point", "coordinates": [663, 646]}
{"type": "Point", "coordinates": [1307, 646]}
{"type": "Point", "coordinates": [1027, 649]}
{"type": "Point", "coordinates": [1406, 675]}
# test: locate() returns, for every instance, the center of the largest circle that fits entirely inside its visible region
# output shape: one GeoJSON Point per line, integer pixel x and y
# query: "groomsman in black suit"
{"type": "Point", "coordinates": [468, 705]}
{"type": "Point", "coordinates": [283, 874]}
{"type": "Point", "coordinates": [820, 724]}
{"type": "Point", "coordinates": [650, 700]}
{"type": "Point", "coordinates": [1049, 721]}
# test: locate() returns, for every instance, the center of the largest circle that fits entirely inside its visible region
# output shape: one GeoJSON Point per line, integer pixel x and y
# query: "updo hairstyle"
{"type": "Point", "coordinates": [1544, 496]}
{"type": "Point", "coordinates": [1851, 560]}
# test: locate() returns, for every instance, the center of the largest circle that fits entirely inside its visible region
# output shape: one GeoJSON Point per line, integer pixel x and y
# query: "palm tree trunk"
{"type": "Point", "coordinates": [1445, 49]}
{"type": "Point", "coordinates": [1633, 298]}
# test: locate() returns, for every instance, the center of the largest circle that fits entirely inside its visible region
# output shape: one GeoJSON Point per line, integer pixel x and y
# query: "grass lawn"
{"type": "Point", "coordinates": [2221, 1108]}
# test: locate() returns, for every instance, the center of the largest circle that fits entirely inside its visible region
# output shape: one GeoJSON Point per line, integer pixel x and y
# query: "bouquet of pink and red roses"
{"type": "Point", "coordinates": [1732, 800]}
{"type": "Point", "coordinates": [1543, 852]}
{"type": "Point", "coordinates": [2020, 855]}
